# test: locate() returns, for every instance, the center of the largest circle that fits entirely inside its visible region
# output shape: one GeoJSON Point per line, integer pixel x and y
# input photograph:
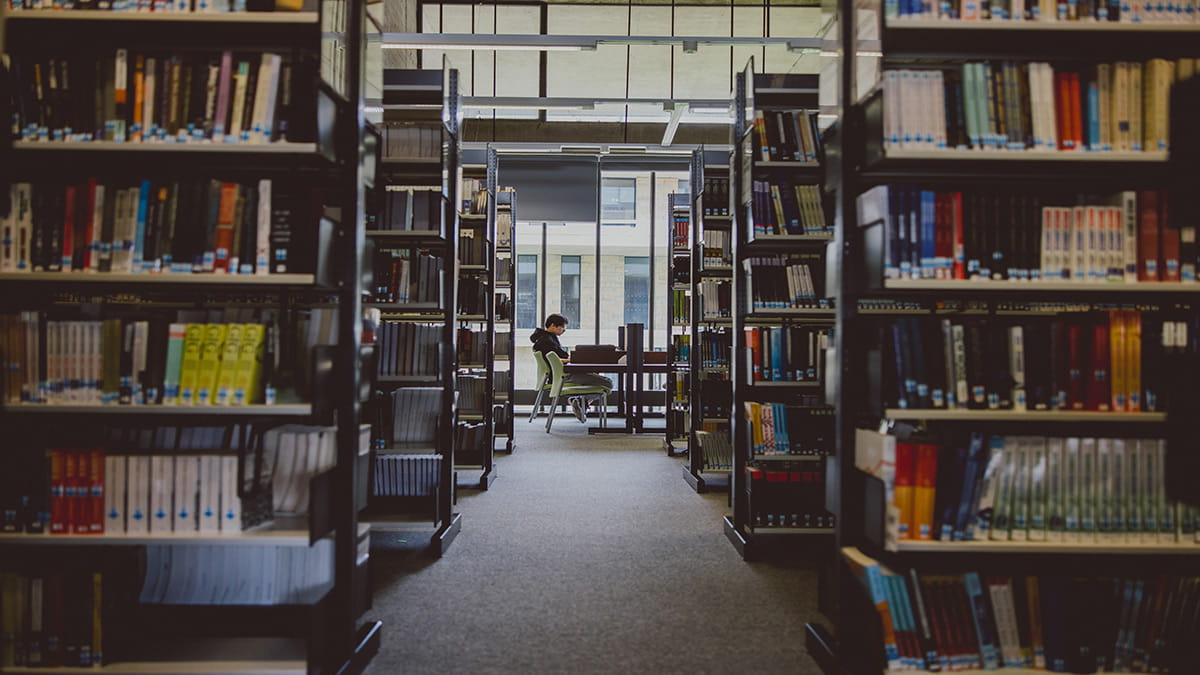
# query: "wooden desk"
{"type": "Point", "coordinates": [631, 410]}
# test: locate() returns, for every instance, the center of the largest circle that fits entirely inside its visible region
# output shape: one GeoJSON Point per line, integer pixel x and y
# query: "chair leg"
{"type": "Point", "coordinates": [550, 419]}
{"type": "Point", "coordinates": [537, 404]}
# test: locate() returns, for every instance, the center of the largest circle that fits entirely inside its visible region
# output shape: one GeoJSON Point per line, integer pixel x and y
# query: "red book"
{"type": "Point", "coordinates": [755, 346]}
{"type": "Point", "coordinates": [96, 498]}
{"type": "Point", "coordinates": [906, 474]}
{"type": "Point", "coordinates": [1075, 365]}
{"type": "Point", "coordinates": [944, 235]}
{"type": "Point", "coordinates": [225, 215]}
{"type": "Point", "coordinates": [1098, 387]}
{"type": "Point", "coordinates": [1148, 234]}
{"type": "Point", "coordinates": [89, 228]}
{"type": "Point", "coordinates": [956, 224]}
{"type": "Point", "coordinates": [79, 467]}
{"type": "Point", "coordinates": [1169, 260]}
{"type": "Point", "coordinates": [1076, 112]}
{"type": "Point", "coordinates": [58, 493]}
{"type": "Point", "coordinates": [924, 491]}
{"type": "Point", "coordinates": [1062, 108]}
{"type": "Point", "coordinates": [67, 253]}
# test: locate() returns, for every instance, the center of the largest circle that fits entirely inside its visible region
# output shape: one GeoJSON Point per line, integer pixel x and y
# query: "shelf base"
{"type": "Point", "coordinates": [739, 540]}
{"type": "Point", "coordinates": [821, 647]}
{"type": "Point", "coordinates": [366, 645]}
{"type": "Point", "coordinates": [694, 480]}
{"type": "Point", "coordinates": [445, 535]}
{"type": "Point", "coordinates": [672, 451]}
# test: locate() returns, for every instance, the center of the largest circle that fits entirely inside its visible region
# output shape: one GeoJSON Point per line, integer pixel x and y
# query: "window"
{"type": "Point", "coordinates": [527, 292]}
{"type": "Point", "coordinates": [637, 290]}
{"type": "Point", "coordinates": [570, 289]}
{"type": "Point", "coordinates": [618, 201]}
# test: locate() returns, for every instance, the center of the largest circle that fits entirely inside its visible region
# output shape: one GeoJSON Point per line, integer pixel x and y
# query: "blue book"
{"type": "Point", "coordinates": [1093, 116]}
{"type": "Point", "coordinates": [139, 238]}
{"type": "Point", "coordinates": [950, 490]}
{"type": "Point", "coordinates": [913, 205]}
{"type": "Point", "coordinates": [928, 234]}
{"type": "Point", "coordinates": [776, 354]}
{"type": "Point", "coordinates": [964, 521]}
{"type": "Point", "coordinates": [985, 625]}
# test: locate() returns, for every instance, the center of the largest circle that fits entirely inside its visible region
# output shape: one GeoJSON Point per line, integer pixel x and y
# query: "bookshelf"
{"type": "Point", "coordinates": [295, 189]}
{"type": "Point", "coordinates": [709, 455]}
{"type": "Point", "coordinates": [504, 214]}
{"type": "Point", "coordinates": [475, 426]}
{"type": "Point", "coordinates": [781, 317]}
{"type": "Point", "coordinates": [413, 478]}
{"type": "Point", "coordinates": [679, 290]}
{"type": "Point", "coordinates": [1039, 530]}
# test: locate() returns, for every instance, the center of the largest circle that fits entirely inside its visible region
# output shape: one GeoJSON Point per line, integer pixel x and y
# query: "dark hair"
{"type": "Point", "coordinates": [556, 320]}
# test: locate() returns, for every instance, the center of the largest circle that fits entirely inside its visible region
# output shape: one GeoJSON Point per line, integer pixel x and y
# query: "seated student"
{"type": "Point", "coordinates": [546, 340]}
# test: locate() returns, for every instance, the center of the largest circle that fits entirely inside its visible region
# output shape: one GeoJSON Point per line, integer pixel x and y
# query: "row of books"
{"type": "Point", "coordinates": [408, 348]}
{"type": "Point", "coordinates": [681, 226]}
{"type": "Point", "coordinates": [470, 439]}
{"type": "Point", "coordinates": [1032, 488]}
{"type": "Point", "coordinates": [408, 209]}
{"type": "Point", "coordinates": [715, 448]}
{"type": "Point", "coordinates": [680, 306]}
{"type": "Point", "coordinates": [716, 249]}
{"type": "Point", "coordinates": [406, 474]}
{"type": "Point", "coordinates": [782, 498]}
{"type": "Point", "coordinates": [779, 429]}
{"type": "Point", "coordinates": [504, 228]}
{"type": "Point", "coordinates": [473, 295]}
{"type": "Point", "coordinates": [472, 393]}
{"type": "Point", "coordinates": [681, 345]}
{"type": "Point", "coordinates": [716, 398]}
{"type": "Point", "coordinates": [785, 281]}
{"type": "Point", "coordinates": [503, 307]}
{"type": "Point", "coordinates": [1092, 11]}
{"type": "Point", "coordinates": [1126, 237]}
{"type": "Point", "coordinates": [474, 195]}
{"type": "Point", "coordinates": [237, 575]}
{"type": "Point", "coordinates": [715, 298]}
{"type": "Point", "coordinates": [503, 270]}
{"type": "Point", "coordinates": [473, 347]}
{"type": "Point", "coordinates": [404, 275]}
{"type": "Point", "coordinates": [787, 353]}
{"type": "Point", "coordinates": [781, 207]}
{"type": "Point", "coordinates": [156, 225]}
{"type": "Point", "coordinates": [410, 140]}
{"type": "Point", "coordinates": [1067, 624]}
{"type": "Point", "coordinates": [787, 135]}
{"type": "Point", "coordinates": [135, 362]}
{"type": "Point", "coordinates": [52, 619]}
{"type": "Point", "coordinates": [715, 198]}
{"type": "Point", "coordinates": [1119, 106]}
{"type": "Point", "coordinates": [1114, 361]}
{"type": "Point", "coordinates": [157, 6]}
{"type": "Point", "coordinates": [473, 248]}
{"type": "Point", "coordinates": [714, 349]}
{"type": "Point", "coordinates": [124, 96]}
{"type": "Point", "coordinates": [415, 412]}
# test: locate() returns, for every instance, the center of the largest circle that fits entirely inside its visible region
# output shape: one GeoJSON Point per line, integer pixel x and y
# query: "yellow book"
{"type": "Point", "coordinates": [1118, 365]}
{"type": "Point", "coordinates": [754, 414]}
{"type": "Point", "coordinates": [249, 366]}
{"type": "Point", "coordinates": [228, 367]}
{"type": "Point", "coordinates": [97, 624]}
{"type": "Point", "coordinates": [210, 362]}
{"type": "Point", "coordinates": [189, 371]}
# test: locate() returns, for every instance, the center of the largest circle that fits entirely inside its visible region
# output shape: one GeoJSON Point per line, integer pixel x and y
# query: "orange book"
{"type": "Point", "coordinates": [906, 460]}
{"type": "Point", "coordinates": [1062, 95]}
{"type": "Point", "coordinates": [139, 95]}
{"type": "Point", "coordinates": [225, 216]}
{"type": "Point", "coordinates": [755, 346]}
{"type": "Point", "coordinates": [1133, 360]}
{"type": "Point", "coordinates": [924, 492]}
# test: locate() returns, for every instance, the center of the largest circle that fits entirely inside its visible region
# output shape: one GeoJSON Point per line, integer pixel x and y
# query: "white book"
{"type": "Point", "coordinates": [1004, 611]}
{"type": "Point", "coordinates": [8, 236]}
{"type": "Point", "coordinates": [1119, 497]}
{"type": "Point", "coordinates": [1151, 485]}
{"type": "Point", "coordinates": [187, 488]}
{"type": "Point", "coordinates": [1167, 521]}
{"type": "Point", "coordinates": [240, 79]}
{"type": "Point", "coordinates": [285, 465]}
{"type": "Point", "coordinates": [1072, 486]}
{"type": "Point", "coordinates": [1134, 516]}
{"type": "Point", "coordinates": [96, 377]}
{"type": "Point", "coordinates": [138, 493]}
{"type": "Point", "coordinates": [97, 218]}
{"type": "Point", "coordinates": [209, 507]}
{"type": "Point", "coordinates": [22, 207]}
{"type": "Point", "coordinates": [262, 238]}
{"type": "Point", "coordinates": [114, 493]}
{"type": "Point", "coordinates": [1016, 365]}
{"type": "Point", "coordinates": [162, 483]}
{"type": "Point", "coordinates": [989, 488]}
{"type": "Point", "coordinates": [1002, 512]}
{"type": "Point", "coordinates": [231, 503]}
{"type": "Point", "coordinates": [909, 114]}
{"type": "Point", "coordinates": [149, 125]}
{"type": "Point", "coordinates": [1087, 489]}
{"type": "Point", "coordinates": [1135, 106]}
{"type": "Point", "coordinates": [258, 110]}
{"type": "Point", "coordinates": [1105, 490]}
{"type": "Point", "coordinates": [1116, 244]}
{"type": "Point", "coordinates": [1079, 247]}
{"type": "Point", "coordinates": [1021, 493]}
{"type": "Point", "coordinates": [271, 65]}
{"type": "Point", "coordinates": [1094, 251]}
{"type": "Point", "coordinates": [1037, 489]}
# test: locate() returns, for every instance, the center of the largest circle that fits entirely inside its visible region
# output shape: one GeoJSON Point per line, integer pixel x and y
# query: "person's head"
{"type": "Point", "coordinates": [556, 323]}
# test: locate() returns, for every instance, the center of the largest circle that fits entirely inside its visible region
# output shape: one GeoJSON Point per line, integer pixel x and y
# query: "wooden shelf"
{"type": "Point", "coordinates": [283, 410]}
{"type": "Point", "coordinates": [166, 17]}
{"type": "Point", "coordinates": [1047, 547]}
{"type": "Point", "coordinates": [149, 278]}
{"type": "Point", "coordinates": [1024, 416]}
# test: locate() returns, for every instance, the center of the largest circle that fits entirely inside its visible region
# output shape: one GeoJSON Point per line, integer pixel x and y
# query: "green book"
{"type": "Point", "coordinates": [176, 333]}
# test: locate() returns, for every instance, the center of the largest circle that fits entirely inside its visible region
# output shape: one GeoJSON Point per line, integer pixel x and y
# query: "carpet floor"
{"type": "Point", "coordinates": [589, 554]}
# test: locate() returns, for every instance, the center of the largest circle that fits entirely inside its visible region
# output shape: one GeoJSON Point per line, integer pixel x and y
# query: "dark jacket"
{"type": "Point", "coordinates": [545, 341]}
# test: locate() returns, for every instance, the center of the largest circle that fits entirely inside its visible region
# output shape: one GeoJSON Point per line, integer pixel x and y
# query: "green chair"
{"type": "Point", "coordinates": [543, 377]}
{"type": "Point", "coordinates": [559, 388]}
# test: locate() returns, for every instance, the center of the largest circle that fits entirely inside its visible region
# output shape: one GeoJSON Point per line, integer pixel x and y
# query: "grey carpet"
{"type": "Point", "coordinates": [590, 554]}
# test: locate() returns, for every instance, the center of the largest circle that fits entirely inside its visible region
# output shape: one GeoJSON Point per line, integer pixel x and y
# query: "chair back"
{"type": "Point", "coordinates": [543, 370]}
{"type": "Point", "coordinates": [555, 362]}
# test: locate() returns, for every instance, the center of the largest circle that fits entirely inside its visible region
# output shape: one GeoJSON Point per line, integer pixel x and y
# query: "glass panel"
{"type": "Point", "coordinates": [527, 316]}
{"type": "Point", "coordinates": [637, 290]}
{"type": "Point", "coordinates": [618, 201]}
{"type": "Point", "coordinates": [570, 289]}
{"type": "Point", "coordinates": [527, 290]}
{"type": "Point", "coordinates": [519, 71]}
